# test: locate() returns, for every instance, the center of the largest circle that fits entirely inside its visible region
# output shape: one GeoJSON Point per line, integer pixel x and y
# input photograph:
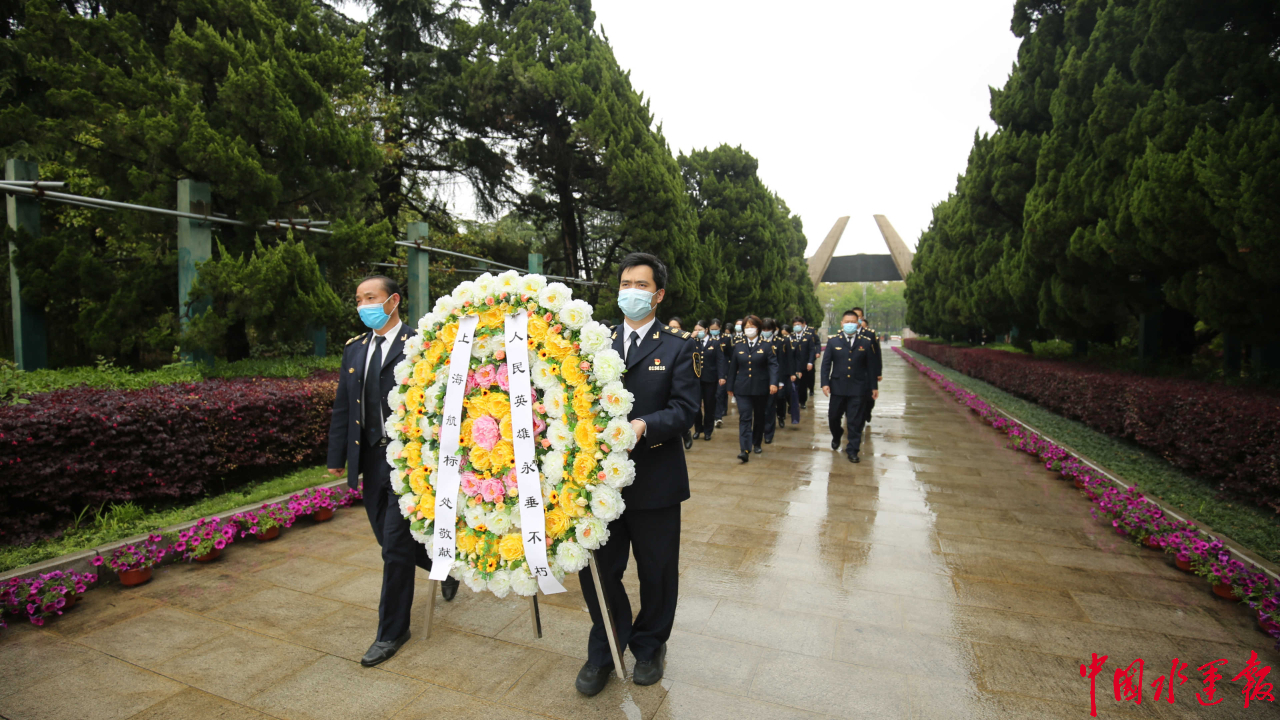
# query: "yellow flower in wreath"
{"type": "Point", "coordinates": [464, 432]}
{"type": "Point", "coordinates": [498, 405]}
{"type": "Point", "coordinates": [585, 435]}
{"type": "Point", "coordinates": [427, 506]}
{"type": "Point", "coordinates": [557, 522]}
{"type": "Point", "coordinates": [492, 318]}
{"type": "Point", "coordinates": [480, 458]}
{"type": "Point", "coordinates": [584, 467]}
{"type": "Point", "coordinates": [421, 370]}
{"type": "Point", "coordinates": [504, 427]}
{"type": "Point", "coordinates": [467, 543]}
{"type": "Point", "coordinates": [434, 352]}
{"type": "Point", "coordinates": [413, 454]}
{"type": "Point", "coordinates": [570, 371]}
{"type": "Point", "coordinates": [413, 399]}
{"type": "Point", "coordinates": [418, 482]}
{"type": "Point", "coordinates": [558, 347]}
{"type": "Point", "coordinates": [502, 456]}
{"type": "Point", "coordinates": [511, 547]}
{"type": "Point", "coordinates": [491, 563]}
{"type": "Point", "coordinates": [582, 399]}
{"type": "Point", "coordinates": [448, 334]}
{"type": "Point", "coordinates": [412, 425]}
{"type": "Point", "coordinates": [538, 329]}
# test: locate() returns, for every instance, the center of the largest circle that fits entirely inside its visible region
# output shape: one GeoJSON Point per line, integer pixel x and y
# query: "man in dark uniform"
{"type": "Point", "coordinates": [847, 370]}
{"type": "Point", "coordinates": [358, 446]}
{"type": "Point", "coordinates": [752, 378]}
{"type": "Point", "coordinates": [780, 402]}
{"type": "Point", "coordinates": [660, 373]}
{"type": "Point", "coordinates": [721, 339]}
{"type": "Point", "coordinates": [806, 346]}
{"type": "Point", "coordinates": [711, 372]}
{"type": "Point", "coordinates": [869, 402]}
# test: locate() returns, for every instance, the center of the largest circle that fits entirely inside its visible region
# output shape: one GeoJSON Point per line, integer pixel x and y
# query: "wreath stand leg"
{"type": "Point", "coordinates": [535, 616]}
{"type": "Point", "coordinates": [431, 607]}
{"type": "Point", "coordinates": [610, 630]}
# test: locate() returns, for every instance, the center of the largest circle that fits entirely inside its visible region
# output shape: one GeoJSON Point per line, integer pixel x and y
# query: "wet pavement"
{"type": "Point", "coordinates": [944, 576]}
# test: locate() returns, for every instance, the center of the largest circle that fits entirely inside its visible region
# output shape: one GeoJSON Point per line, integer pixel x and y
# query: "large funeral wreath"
{"type": "Point", "coordinates": [582, 435]}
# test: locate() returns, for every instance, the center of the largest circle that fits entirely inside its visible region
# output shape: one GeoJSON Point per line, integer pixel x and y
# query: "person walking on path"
{"type": "Point", "coordinates": [752, 378]}
{"type": "Point", "coordinates": [847, 373]}
{"type": "Point", "coordinates": [781, 401]}
{"type": "Point", "coordinates": [868, 401]}
{"type": "Point", "coordinates": [725, 345]}
{"type": "Point", "coordinates": [711, 379]}
{"type": "Point", "coordinates": [358, 446]}
{"type": "Point", "coordinates": [660, 374]}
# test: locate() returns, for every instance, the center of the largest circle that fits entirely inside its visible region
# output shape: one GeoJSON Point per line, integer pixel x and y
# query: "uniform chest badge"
{"type": "Point", "coordinates": [760, 352]}
{"type": "Point", "coordinates": [657, 366]}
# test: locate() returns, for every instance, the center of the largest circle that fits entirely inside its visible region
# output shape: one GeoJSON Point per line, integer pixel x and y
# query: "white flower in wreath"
{"type": "Point", "coordinates": [508, 282]}
{"type": "Point", "coordinates": [399, 481]}
{"type": "Point", "coordinates": [555, 401]}
{"type": "Point", "coordinates": [575, 314]}
{"type": "Point", "coordinates": [592, 532]}
{"type": "Point", "coordinates": [543, 375]}
{"type": "Point", "coordinates": [473, 580]}
{"type": "Point", "coordinates": [499, 521]}
{"type": "Point", "coordinates": [554, 296]}
{"type": "Point", "coordinates": [407, 501]}
{"type": "Point", "coordinates": [559, 434]}
{"type": "Point", "coordinates": [412, 347]}
{"type": "Point", "coordinates": [424, 423]}
{"type": "Point", "coordinates": [403, 370]}
{"type": "Point", "coordinates": [481, 347]}
{"type": "Point", "coordinates": [396, 418]}
{"type": "Point", "coordinates": [422, 537]}
{"type": "Point", "coordinates": [571, 557]}
{"type": "Point", "coordinates": [616, 399]}
{"type": "Point", "coordinates": [431, 399]}
{"type": "Point", "coordinates": [394, 449]}
{"type": "Point", "coordinates": [522, 583]}
{"type": "Point", "coordinates": [619, 471]}
{"type": "Point", "coordinates": [552, 469]}
{"type": "Point", "coordinates": [429, 460]}
{"type": "Point", "coordinates": [595, 338]}
{"type": "Point", "coordinates": [426, 322]}
{"type": "Point", "coordinates": [445, 306]}
{"type": "Point", "coordinates": [531, 285]}
{"type": "Point", "coordinates": [607, 366]}
{"type": "Point", "coordinates": [500, 583]}
{"type": "Point", "coordinates": [465, 293]}
{"type": "Point", "coordinates": [485, 286]}
{"type": "Point", "coordinates": [606, 503]}
{"type": "Point", "coordinates": [619, 435]}
{"type": "Point", "coordinates": [474, 515]}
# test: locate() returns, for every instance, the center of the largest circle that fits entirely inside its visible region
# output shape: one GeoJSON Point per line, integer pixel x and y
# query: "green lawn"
{"type": "Point", "coordinates": [1251, 526]}
{"type": "Point", "coordinates": [117, 522]}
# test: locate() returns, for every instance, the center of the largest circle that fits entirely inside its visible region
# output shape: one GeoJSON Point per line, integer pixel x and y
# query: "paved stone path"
{"type": "Point", "coordinates": [944, 576]}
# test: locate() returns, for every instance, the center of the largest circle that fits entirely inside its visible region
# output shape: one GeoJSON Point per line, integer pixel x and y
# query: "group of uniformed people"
{"type": "Point", "coordinates": [769, 370]}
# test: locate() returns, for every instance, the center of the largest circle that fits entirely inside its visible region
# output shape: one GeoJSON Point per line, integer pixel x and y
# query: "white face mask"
{"type": "Point", "coordinates": [750, 332]}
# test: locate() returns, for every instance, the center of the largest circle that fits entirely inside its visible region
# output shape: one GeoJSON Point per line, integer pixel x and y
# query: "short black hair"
{"type": "Point", "coordinates": [858, 310]}
{"type": "Point", "coordinates": [798, 319]}
{"type": "Point", "coordinates": [850, 311]}
{"type": "Point", "coordinates": [677, 321]}
{"type": "Point", "coordinates": [770, 324]}
{"type": "Point", "coordinates": [753, 319]}
{"type": "Point", "coordinates": [700, 323]}
{"type": "Point", "coordinates": [714, 321]}
{"type": "Point", "coordinates": [391, 286]}
{"type": "Point", "coordinates": [638, 258]}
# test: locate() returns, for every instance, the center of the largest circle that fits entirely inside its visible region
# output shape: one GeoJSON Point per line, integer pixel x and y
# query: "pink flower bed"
{"type": "Point", "coordinates": [1130, 513]}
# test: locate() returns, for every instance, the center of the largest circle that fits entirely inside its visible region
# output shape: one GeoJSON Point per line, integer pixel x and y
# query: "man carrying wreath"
{"type": "Point", "coordinates": [660, 373]}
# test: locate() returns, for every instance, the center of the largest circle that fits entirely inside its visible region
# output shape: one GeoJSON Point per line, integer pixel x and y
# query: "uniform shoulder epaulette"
{"type": "Point", "coordinates": [354, 339]}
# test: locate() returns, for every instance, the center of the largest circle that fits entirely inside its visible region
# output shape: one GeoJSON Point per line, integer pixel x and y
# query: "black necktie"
{"type": "Point", "coordinates": [373, 391]}
{"type": "Point", "coordinates": [635, 343]}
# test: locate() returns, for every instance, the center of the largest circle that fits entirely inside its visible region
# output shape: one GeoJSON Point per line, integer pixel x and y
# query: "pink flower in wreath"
{"type": "Point", "coordinates": [486, 375]}
{"type": "Point", "coordinates": [470, 483]}
{"type": "Point", "coordinates": [492, 489]}
{"type": "Point", "coordinates": [510, 481]}
{"type": "Point", "coordinates": [504, 380]}
{"type": "Point", "coordinates": [485, 431]}
{"type": "Point", "coordinates": [538, 425]}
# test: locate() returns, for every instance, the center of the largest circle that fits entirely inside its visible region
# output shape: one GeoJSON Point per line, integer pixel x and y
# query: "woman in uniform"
{"type": "Point", "coordinates": [753, 377]}
{"type": "Point", "coordinates": [785, 345]}
{"type": "Point", "coordinates": [724, 345]}
{"type": "Point", "coordinates": [712, 371]}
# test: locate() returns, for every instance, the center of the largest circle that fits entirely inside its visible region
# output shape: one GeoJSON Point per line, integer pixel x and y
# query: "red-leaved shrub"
{"type": "Point", "coordinates": [82, 447]}
{"type": "Point", "coordinates": [1228, 436]}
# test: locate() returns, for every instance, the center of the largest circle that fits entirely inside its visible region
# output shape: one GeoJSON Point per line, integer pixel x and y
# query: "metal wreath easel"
{"type": "Point", "coordinates": [535, 616]}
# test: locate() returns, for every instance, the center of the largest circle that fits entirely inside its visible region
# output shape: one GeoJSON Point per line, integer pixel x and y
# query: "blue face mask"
{"type": "Point", "coordinates": [715, 333]}
{"type": "Point", "coordinates": [373, 315]}
{"type": "Point", "coordinates": [737, 328]}
{"type": "Point", "coordinates": [849, 328]}
{"type": "Point", "coordinates": [797, 328]}
{"type": "Point", "coordinates": [702, 334]}
{"type": "Point", "coordinates": [635, 304]}
{"type": "Point", "coordinates": [768, 334]}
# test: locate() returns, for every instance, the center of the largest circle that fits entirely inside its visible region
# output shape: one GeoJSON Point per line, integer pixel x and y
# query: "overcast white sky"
{"type": "Point", "coordinates": [852, 107]}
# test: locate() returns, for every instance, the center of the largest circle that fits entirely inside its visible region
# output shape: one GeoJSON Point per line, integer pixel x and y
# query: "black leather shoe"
{"type": "Point", "coordinates": [835, 444]}
{"type": "Point", "coordinates": [649, 671]}
{"type": "Point", "coordinates": [688, 441]}
{"type": "Point", "coordinates": [591, 679]}
{"type": "Point", "coordinates": [382, 651]}
{"type": "Point", "coordinates": [804, 406]}
{"type": "Point", "coordinates": [743, 456]}
{"type": "Point", "coordinates": [853, 458]}
{"type": "Point", "coordinates": [708, 437]}
{"type": "Point", "coordinates": [756, 450]}
{"type": "Point", "coordinates": [768, 441]}
{"type": "Point", "coordinates": [449, 588]}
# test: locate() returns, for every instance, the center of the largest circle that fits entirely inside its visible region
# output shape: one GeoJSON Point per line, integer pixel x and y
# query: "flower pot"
{"type": "Point", "coordinates": [1078, 483]}
{"type": "Point", "coordinates": [209, 556]}
{"type": "Point", "coordinates": [1150, 541]}
{"type": "Point", "coordinates": [1223, 590]}
{"type": "Point", "coordinates": [271, 534]}
{"type": "Point", "coordinates": [322, 514]}
{"type": "Point", "coordinates": [73, 598]}
{"type": "Point", "coordinates": [129, 578]}
{"type": "Point", "coordinates": [1268, 626]}
{"type": "Point", "coordinates": [1183, 565]}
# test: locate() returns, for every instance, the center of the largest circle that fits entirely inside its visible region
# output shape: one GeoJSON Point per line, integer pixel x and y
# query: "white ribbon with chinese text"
{"type": "Point", "coordinates": [444, 547]}
{"type": "Point", "coordinates": [533, 523]}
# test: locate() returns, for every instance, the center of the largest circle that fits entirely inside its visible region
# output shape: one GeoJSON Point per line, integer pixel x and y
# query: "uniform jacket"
{"type": "Point", "coordinates": [661, 375]}
{"type": "Point", "coordinates": [806, 347]}
{"type": "Point", "coordinates": [344, 428]}
{"type": "Point", "coordinates": [752, 369]}
{"type": "Point", "coordinates": [714, 365]}
{"type": "Point", "coordinates": [848, 365]}
{"type": "Point", "coordinates": [786, 353]}
{"type": "Point", "coordinates": [878, 357]}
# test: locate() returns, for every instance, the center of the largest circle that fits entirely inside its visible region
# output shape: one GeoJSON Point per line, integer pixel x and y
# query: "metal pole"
{"type": "Point", "coordinates": [30, 336]}
{"type": "Point", "coordinates": [606, 613]}
{"type": "Point", "coordinates": [535, 616]}
{"type": "Point", "coordinates": [419, 273]}
{"type": "Point", "coordinates": [195, 245]}
{"type": "Point", "coordinates": [432, 585]}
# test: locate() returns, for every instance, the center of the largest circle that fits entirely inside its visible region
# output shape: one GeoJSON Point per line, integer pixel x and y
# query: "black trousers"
{"type": "Point", "coordinates": [654, 537]}
{"type": "Point", "coordinates": [704, 420]}
{"type": "Point", "coordinates": [802, 386]}
{"type": "Point", "coordinates": [722, 401]}
{"type": "Point", "coordinates": [779, 404]}
{"type": "Point", "coordinates": [400, 552]}
{"type": "Point", "coordinates": [753, 412]}
{"type": "Point", "coordinates": [848, 408]}
{"type": "Point", "coordinates": [868, 404]}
